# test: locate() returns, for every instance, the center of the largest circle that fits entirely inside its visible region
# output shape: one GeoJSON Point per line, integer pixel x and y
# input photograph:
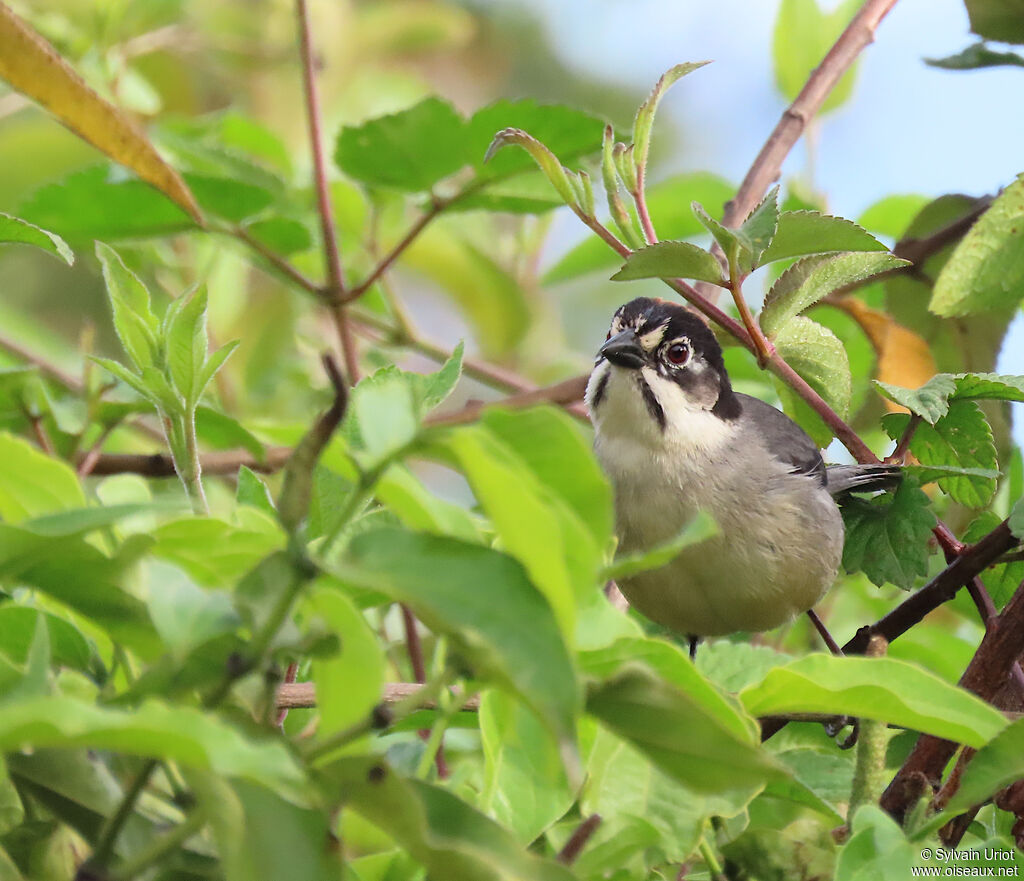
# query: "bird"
{"type": "Point", "coordinates": [674, 439]}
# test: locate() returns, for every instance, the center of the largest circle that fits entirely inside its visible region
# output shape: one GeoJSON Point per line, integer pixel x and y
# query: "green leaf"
{"type": "Point", "coordinates": [877, 848]}
{"type": "Point", "coordinates": [678, 734]}
{"type": "Point", "coordinates": [701, 527]}
{"type": "Point", "coordinates": [1016, 521]}
{"type": "Point", "coordinates": [554, 448]}
{"type": "Point", "coordinates": [525, 787]}
{"type": "Point", "coordinates": [32, 483]}
{"type": "Point", "coordinates": [253, 491]}
{"type": "Point", "coordinates": [99, 203]}
{"type": "Point", "coordinates": [444, 834]}
{"type": "Point", "coordinates": [891, 215]}
{"type": "Point", "coordinates": [986, 270]}
{"type": "Point", "coordinates": [234, 200]}
{"type": "Point", "coordinates": [977, 56]}
{"type": "Point", "coordinates": [13, 229]}
{"type": "Point", "coordinates": [524, 516]}
{"type": "Point", "coordinates": [644, 121]}
{"type": "Point", "coordinates": [803, 34]}
{"type": "Point", "coordinates": [180, 734]}
{"type": "Point", "coordinates": [261, 836]}
{"type": "Point", "coordinates": [126, 376]}
{"type": "Point", "coordinates": [567, 132]}
{"type": "Point", "coordinates": [80, 521]}
{"type": "Point", "coordinates": [433, 389]}
{"type": "Point", "coordinates": [671, 260]}
{"type": "Point", "coordinates": [212, 365]}
{"type": "Point", "coordinates": [996, 20]}
{"type": "Point", "coordinates": [411, 150]}
{"type": "Point", "coordinates": [887, 536]}
{"type": "Point", "coordinates": [670, 663]}
{"type": "Point", "coordinates": [737, 250]}
{"type": "Point", "coordinates": [185, 344]}
{"type": "Point", "coordinates": [961, 439]}
{"type": "Point", "coordinates": [349, 684]}
{"type": "Point", "coordinates": [760, 225]}
{"type": "Point", "coordinates": [185, 615]}
{"type": "Point", "coordinates": [134, 321]}
{"type": "Point", "coordinates": [820, 358]}
{"type": "Point", "coordinates": [801, 233]}
{"type": "Point", "coordinates": [214, 552]}
{"type": "Point", "coordinates": [383, 407]}
{"type": "Point", "coordinates": [160, 392]}
{"type": "Point", "coordinates": [809, 280]}
{"type": "Point", "coordinates": [996, 765]}
{"type": "Point", "coordinates": [668, 203]}
{"type": "Point", "coordinates": [283, 235]}
{"type": "Point", "coordinates": [422, 510]}
{"type": "Point", "coordinates": [1002, 579]}
{"type": "Point", "coordinates": [69, 648]}
{"type": "Point", "coordinates": [884, 689]}
{"type": "Point", "coordinates": [487, 606]}
{"type": "Point", "coordinates": [75, 573]}
{"type": "Point", "coordinates": [988, 386]}
{"type": "Point", "coordinates": [930, 401]}
{"type": "Point", "coordinates": [642, 808]}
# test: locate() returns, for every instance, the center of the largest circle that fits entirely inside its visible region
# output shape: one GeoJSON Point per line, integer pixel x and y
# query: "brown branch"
{"type": "Point", "coordinates": [45, 367]}
{"type": "Point", "coordinates": [859, 34]}
{"type": "Point", "coordinates": [277, 261]}
{"type": "Point", "coordinates": [917, 250]}
{"type": "Point", "coordinates": [334, 291]}
{"type": "Point", "coordinates": [987, 676]}
{"type": "Point", "coordinates": [302, 696]}
{"type": "Point", "coordinates": [565, 393]}
{"type": "Point", "coordinates": [578, 840]}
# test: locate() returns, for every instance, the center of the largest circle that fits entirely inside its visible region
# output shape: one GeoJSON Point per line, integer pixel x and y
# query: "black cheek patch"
{"type": "Point", "coordinates": [602, 387]}
{"type": "Point", "coordinates": [653, 407]}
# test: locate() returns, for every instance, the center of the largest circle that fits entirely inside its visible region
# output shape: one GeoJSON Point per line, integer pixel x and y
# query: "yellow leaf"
{"type": "Point", "coordinates": [904, 358]}
{"type": "Point", "coordinates": [32, 66]}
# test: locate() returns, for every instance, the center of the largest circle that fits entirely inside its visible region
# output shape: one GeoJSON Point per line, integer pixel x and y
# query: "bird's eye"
{"type": "Point", "coordinates": [678, 353]}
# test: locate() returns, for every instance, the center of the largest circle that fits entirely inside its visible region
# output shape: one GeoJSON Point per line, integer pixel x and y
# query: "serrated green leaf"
{"type": "Point", "coordinates": [701, 527]}
{"type": "Point", "coordinates": [33, 484]}
{"type": "Point", "coordinates": [962, 439]}
{"type": "Point", "coordinates": [986, 270]}
{"type": "Point", "coordinates": [383, 411]}
{"type": "Point", "coordinates": [671, 260]}
{"type": "Point", "coordinates": [760, 225]}
{"type": "Point", "coordinates": [988, 386]}
{"type": "Point", "coordinates": [644, 121]}
{"type": "Point", "coordinates": [820, 358]}
{"type": "Point", "coordinates": [411, 150]}
{"type": "Point", "coordinates": [930, 401]}
{"type": "Point", "coordinates": [432, 389]}
{"type": "Point", "coordinates": [887, 536]}
{"type": "Point", "coordinates": [444, 834]}
{"type": "Point", "coordinates": [507, 632]}
{"type": "Point", "coordinates": [736, 249]}
{"type": "Point", "coordinates": [13, 229]}
{"type": "Point", "coordinates": [809, 280]}
{"type": "Point", "coordinates": [676, 733]}
{"type": "Point", "coordinates": [884, 689]}
{"type": "Point", "coordinates": [801, 233]}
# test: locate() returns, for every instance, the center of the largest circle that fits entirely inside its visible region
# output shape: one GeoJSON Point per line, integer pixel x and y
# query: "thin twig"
{"type": "Point", "coordinates": [899, 454]}
{"type": "Point", "coordinates": [276, 261]}
{"type": "Point", "coordinates": [46, 368]}
{"type": "Point", "coordinates": [859, 34]}
{"type": "Point", "coordinates": [334, 291]}
{"type": "Point", "coordinates": [826, 637]}
{"type": "Point", "coordinates": [578, 840]}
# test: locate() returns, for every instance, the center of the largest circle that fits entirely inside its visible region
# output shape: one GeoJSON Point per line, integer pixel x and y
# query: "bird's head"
{"type": "Point", "coordinates": [660, 363]}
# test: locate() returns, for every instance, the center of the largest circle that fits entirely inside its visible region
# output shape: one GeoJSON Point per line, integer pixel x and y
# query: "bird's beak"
{"type": "Point", "coordinates": [624, 349]}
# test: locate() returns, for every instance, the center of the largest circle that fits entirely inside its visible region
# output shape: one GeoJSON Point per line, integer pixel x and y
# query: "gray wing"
{"type": "Point", "coordinates": [783, 437]}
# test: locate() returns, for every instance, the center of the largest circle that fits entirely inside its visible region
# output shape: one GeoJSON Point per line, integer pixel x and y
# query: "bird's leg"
{"type": "Point", "coordinates": [833, 646]}
{"type": "Point", "coordinates": [694, 641]}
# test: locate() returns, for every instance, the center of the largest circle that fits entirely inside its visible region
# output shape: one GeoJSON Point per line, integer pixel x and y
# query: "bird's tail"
{"type": "Point", "coordinates": [862, 478]}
